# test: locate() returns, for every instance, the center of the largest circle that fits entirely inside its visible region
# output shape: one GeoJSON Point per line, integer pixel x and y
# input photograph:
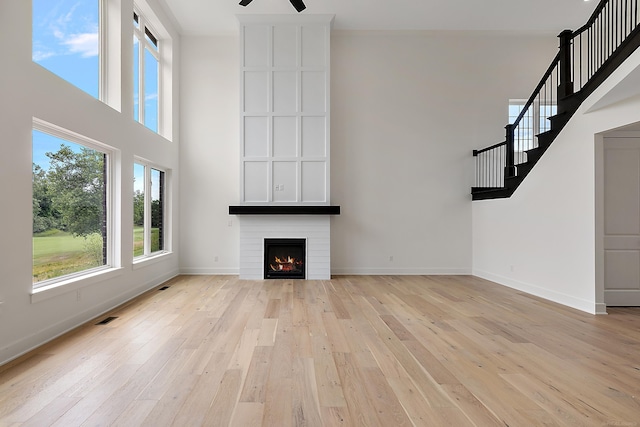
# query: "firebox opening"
{"type": "Point", "coordinates": [284, 258]}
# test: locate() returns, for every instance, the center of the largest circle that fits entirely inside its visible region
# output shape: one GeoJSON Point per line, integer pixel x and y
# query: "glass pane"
{"type": "Point", "coordinates": [138, 210]}
{"type": "Point", "coordinates": [152, 39]}
{"type": "Point", "coordinates": [69, 207]}
{"type": "Point", "coordinates": [546, 111]}
{"type": "Point", "coordinates": [524, 132]}
{"type": "Point", "coordinates": [66, 40]}
{"type": "Point", "coordinates": [150, 91]}
{"type": "Point", "coordinates": [157, 223]}
{"type": "Point", "coordinates": [136, 79]}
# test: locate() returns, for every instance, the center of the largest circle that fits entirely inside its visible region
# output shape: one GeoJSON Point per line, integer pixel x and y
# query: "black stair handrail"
{"type": "Point", "coordinates": [536, 91]}
{"type": "Point", "coordinates": [585, 58]}
{"type": "Point", "coordinates": [592, 19]}
{"type": "Point", "coordinates": [610, 27]}
{"type": "Point", "coordinates": [491, 147]}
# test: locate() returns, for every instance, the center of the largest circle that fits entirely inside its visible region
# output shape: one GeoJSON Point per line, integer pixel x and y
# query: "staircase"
{"type": "Point", "coordinates": [586, 58]}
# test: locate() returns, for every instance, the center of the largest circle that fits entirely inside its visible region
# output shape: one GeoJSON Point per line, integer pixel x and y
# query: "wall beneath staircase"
{"type": "Point", "coordinates": [543, 239]}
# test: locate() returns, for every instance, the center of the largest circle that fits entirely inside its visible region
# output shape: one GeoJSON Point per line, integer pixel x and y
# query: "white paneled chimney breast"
{"type": "Point", "coordinates": [284, 138]}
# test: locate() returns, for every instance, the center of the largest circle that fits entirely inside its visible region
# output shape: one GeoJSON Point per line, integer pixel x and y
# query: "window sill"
{"type": "Point", "coordinates": [73, 284]}
{"type": "Point", "coordinates": [144, 261]}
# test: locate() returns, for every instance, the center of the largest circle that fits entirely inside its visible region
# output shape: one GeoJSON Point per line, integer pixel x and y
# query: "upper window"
{"type": "Point", "coordinates": [70, 215]}
{"type": "Point", "coordinates": [534, 122]}
{"type": "Point", "coordinates": [146, 73]}
{"type": "Point", "coordinates": [66, 41]}
{"type": "Point", "coordinates": [148, 210]}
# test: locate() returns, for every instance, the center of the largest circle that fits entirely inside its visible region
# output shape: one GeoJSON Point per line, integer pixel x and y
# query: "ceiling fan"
{"type": "Point", "coordinates": [298, 4]}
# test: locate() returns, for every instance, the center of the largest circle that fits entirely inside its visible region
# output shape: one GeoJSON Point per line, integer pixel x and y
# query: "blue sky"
{"type": "Point", "coordinates": [66, 42]}
{"type": "Point", "coordinates": [44, 143]}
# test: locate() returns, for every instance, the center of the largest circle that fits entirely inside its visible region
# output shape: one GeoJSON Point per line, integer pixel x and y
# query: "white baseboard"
{"type": "Point", "coordinates": [210, 271]}
{"type": "Point", "coordinates": [51, 332]}
{"type": "Point", "coordinates": [557, 297]}
{"type": "Point", "coordinates": [601, 308]}
{"type": "Point", "coordinates": [400, 271]}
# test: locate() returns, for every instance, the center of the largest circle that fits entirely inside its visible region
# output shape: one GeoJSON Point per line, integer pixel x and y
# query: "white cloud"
{"type": "Point", "coordinates": [40, 55]}
{"type": "Point", "coordinates": [64, 27]}
{"type": "Point", "coordinates": [86, 44]}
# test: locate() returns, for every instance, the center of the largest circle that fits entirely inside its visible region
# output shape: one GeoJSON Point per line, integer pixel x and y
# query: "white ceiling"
{"type": "Point", "coordinates": [211, 17]}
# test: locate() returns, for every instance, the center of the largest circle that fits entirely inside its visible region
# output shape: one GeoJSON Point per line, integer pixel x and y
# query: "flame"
{"type": "Point", "coordinates": [288, 263]}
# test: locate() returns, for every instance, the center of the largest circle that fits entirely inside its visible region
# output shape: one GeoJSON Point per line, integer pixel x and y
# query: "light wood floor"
{"type": "Point", "coordinates": [370, 351]}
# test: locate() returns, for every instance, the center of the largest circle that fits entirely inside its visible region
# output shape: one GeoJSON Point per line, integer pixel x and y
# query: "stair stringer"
{"type": "Point", "coordinates": [541, 240]}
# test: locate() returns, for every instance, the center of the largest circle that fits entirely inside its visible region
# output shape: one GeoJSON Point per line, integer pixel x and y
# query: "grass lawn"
{"type": "Point", "coordinates": [138, 240]}
{"type": "Point", "coordinates": [56, 253]}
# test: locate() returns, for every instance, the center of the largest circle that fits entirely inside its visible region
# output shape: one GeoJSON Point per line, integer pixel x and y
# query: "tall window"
{"type": "Point", "coordinates": [535, 121]}
{"type": "Point", "coordinates": [66, 40]}
{"type": "Point", "coordinates": [148, 210]}
{"type": "Point", "coordinates": [70, 216]}
{"type": "Point", "coordinates": [146, 73]}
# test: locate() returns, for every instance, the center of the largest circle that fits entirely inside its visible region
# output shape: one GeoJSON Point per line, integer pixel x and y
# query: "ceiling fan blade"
{"type": "Point", "coordinates": [245, 2]}
{"type": "Point", "coordinates": [298, 4]}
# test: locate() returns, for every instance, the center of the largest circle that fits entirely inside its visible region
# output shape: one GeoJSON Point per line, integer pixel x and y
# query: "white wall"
{"type": "Point", "coordinates": [543, 239]}
{"type": "Point", "coordinates": [407, 109]}
{"type": "Point", "coordinates": [209, 155]}
{"type": "Point", "coordinates": [28, 90]}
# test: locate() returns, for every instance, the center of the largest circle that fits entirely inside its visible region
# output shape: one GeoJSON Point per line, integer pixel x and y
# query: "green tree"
{"type": "Point", "coordinates": [45, 216]}
{"type": "Point", "coordinates": [156, 213]}
{"type": "Point", "coordinates": [77, 187]}
{"type": "Point", "coordinates": [138, 208]}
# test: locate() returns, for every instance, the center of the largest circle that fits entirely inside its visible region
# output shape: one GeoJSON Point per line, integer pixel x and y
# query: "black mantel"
{"type": "Point", "coordinates": [284, 210]}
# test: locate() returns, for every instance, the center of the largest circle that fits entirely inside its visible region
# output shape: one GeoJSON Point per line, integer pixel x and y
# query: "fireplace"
{"type": "Point", "coordinates": [285, 258]}
{"type": "Point", "coordinates": [285, 147]}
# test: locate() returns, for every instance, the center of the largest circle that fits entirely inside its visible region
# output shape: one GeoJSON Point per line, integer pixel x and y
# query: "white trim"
{"type": "Point", "coordinates": [103, 45]}
{"type": "Point", "coordinates": [599, 219]}
{"type": "Point", "coordinates": [206, 271]}
{"type": "Point", "coordinates": [71, 284]}
{"type": "Point", "coordinates": [71, 136]}
{"type": "Point", "coordinates": [28, 343]}
{"type": "Point", "coordinates": [285, 19]}
{"type": "Point", "coordinates": [400, 271]}
{"type": "Point", "coordinates": [144, 45]}
{"type": "Point", "coordinates": [144, 261]}
{"type": "Point", "coordinates": [557, 297]}
{"type": "Point", "coordinates": [601, 308]}
{"type": "Point", "coordinates": [112, 190]}
{"type": "Point", "coordinates": [166, 244]}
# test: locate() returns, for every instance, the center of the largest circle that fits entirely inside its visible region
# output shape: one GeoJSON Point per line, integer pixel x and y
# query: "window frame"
{"type": "Point", "coordinates": [147, 219]}
{"type": "Point", "coordinates": [142, 33]}
{"type": "Point", "coordinates": [522, 144]}
{"type": "Point", "coordinates": [111, 158]}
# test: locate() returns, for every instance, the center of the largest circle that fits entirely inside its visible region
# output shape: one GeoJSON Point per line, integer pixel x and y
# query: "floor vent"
{"type": "Point", "coordinates": [105, 321]}
{"type": "Point", "coordinates": [163, 288]}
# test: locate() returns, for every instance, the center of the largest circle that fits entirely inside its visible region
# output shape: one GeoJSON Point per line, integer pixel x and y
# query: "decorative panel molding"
{"type": "Point", "coordinates": [255, 186]}
{"type": "Point", "coordinates": [285, 136]}
{"type": "Point", "coordinates": [284, 132]}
